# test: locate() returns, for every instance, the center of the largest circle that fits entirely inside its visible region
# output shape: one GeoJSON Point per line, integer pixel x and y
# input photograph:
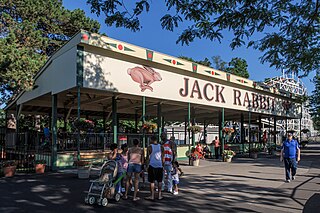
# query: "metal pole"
{"type": "Point", "coordinates": [242, 135]}
{"type": "Point", "coordinates": [189, 118]}
{"type": "Point", "coordinates": [275, 130]}
{"type": "Point", "coordinates": [259, 133]}
{"type": "Point", "coordinates": [143, 121]}
{"type": "Point", "coordinates": [249, 135]}
{"type": "Point", "coordinates": [222, 126]}
{"type": "Point", "coordinates": [193, 123]}
{"type": "Point", "coordinates": [159, 121]}
{"type": "Point", "coordinates": [78, 116]}
{"type": "Point", "coordinates": [115, 121]}
{"type": "Point", "coordinates": [300, 124]}
{"type": "Point", "coordinates": [54, 132]}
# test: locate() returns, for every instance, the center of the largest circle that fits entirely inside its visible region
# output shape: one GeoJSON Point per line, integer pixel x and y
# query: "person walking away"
{"type": "Point", "coordinates": [135, 162]}
{"type": "Point", "coordinates": [168, 159]}
{"type": "Point", "coordinates": [290, 154]}
{"type": "Point", "coordinates": [117, 156]}
{"type": "Point", "coordinates": [155, 155]}
{"type": "Point", "coordinates": [173, 148]}
{"type": "Point", "coordinates": [175, 177]}
{"type": "Point", "coordinates": [216, 144]}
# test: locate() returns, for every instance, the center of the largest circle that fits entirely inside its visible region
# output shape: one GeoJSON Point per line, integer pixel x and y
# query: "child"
{"type": "Point", "coordinates": [175, 176]}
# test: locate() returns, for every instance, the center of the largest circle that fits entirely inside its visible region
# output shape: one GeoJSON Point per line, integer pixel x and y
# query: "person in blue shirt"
{"type": "Point", "coordinates": [290, 154]}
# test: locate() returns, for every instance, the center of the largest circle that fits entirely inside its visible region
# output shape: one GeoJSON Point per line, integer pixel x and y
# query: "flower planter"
{"type": "Point", "coordinates": [40, 168]}
{"type": "Point", "coordinates": [227, 159]}
{"type": "Point", "coordinates": [9, 171]}
{"type": "Point", "coordinates": [195, 162]}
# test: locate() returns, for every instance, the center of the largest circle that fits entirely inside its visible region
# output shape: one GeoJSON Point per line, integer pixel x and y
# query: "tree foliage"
{"type": "Point", "coordinates": [287, 31]}
{"type": "Point", "coordinates": [236, 66]}
{"type": "Point", "coordinates": [314, 101]}
{"type": "Point", "coordinates": [30, 31]}
{"type": "Point", "coordinates": [205, 62]}
{"type": "Point", "coordinates": [239, 67]}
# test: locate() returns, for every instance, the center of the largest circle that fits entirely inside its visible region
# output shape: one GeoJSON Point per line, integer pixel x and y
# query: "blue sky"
{"type": "Point", "coordinates": [152, 36]}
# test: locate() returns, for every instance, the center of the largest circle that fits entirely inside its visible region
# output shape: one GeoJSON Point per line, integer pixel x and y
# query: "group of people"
{"type": "Point", "coordinates": [204, 151]}
{"type": "Point", "coordinates": [160, 163]}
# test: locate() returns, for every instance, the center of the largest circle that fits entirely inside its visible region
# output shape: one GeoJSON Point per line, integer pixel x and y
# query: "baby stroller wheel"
{"type": "Point", "coordinates": [104, 202]}
{"type": "Point", "coordinates": [117, 197]}
{"type": "Point", "coordinates": [92, 200]}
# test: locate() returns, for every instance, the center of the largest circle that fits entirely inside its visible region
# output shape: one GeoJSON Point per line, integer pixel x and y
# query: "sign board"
{"type": "Point", "coordinates": [124, 77]}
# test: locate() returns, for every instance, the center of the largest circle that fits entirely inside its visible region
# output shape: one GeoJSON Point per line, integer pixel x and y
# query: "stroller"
{"type": "Point", "coordinates": [103, 188]}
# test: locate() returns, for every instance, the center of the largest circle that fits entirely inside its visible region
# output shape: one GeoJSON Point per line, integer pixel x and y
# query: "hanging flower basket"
{"type": "Point", "coordinates": [194, 129]}
{"type": "Point", "coordinates": [83, 124]}
{"type": "Point", "coordinates": [228, 130]}
{"type": "Point", "coordinates": [149, 127]}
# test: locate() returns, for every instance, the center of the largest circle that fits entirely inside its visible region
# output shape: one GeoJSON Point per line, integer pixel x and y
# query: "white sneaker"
{"type": "Point", "coordinates": [288, 181]}
{"type": "Point", "coordinates": [175, 193]}
{"type": "Point", "coordinates": [293, 177]}
{"type": "Point", "coordinates": [170, 190]}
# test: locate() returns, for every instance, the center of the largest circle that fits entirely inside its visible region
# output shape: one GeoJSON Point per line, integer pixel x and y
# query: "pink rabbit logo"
{"type": "Point", "coordinates": [145, 76]}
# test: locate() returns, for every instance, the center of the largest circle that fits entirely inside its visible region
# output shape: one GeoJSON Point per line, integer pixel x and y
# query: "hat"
{"type": "Point", "coordinates": [289, 134]}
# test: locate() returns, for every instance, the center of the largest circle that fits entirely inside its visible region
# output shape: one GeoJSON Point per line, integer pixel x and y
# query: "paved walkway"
{"type": "Point", "coordinates": [245, 185]}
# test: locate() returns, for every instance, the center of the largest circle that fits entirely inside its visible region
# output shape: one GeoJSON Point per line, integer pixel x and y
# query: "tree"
{"type": "Point", "coordinates": [205, 62]}
{"type": "Point", "coordinates": [314, 101]}
{"type": "Point", "coordinates": [236, 66]}
{"type": "Point", "coordinates": [287, 30]}
{"type": "Point", "coordinates": [219, 63]}
{"type": "Point", "coordinates": [30, 31]}
{"type": "Point", "coordinates": [239, 67]}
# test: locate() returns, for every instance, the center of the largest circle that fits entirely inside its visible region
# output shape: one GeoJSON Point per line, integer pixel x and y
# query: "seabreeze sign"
{"type": "Point", "coordinates": [129, 78]}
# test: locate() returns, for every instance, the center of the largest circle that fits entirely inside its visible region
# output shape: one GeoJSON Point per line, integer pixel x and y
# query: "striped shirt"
{"type": "Point", "coordinates": [167, 153]}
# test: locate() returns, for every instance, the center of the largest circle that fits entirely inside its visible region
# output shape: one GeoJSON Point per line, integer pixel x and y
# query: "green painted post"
{"type": "Point", "coordinates": [159, 122]}
{"type": "Point", "coordinates": [242, 132]}
{"type": "Point", "coordinates": [300, 125]}
{"type": "Point", "coordinates": [78, 116]}
{"type": "Point", "coordinates": [222, 126]}
{"type": "Point", "coordinates": [249, 133]}
{"type": "Point", "coordinates": [189, 118]}
{"type": "Point", "coordinates": [54, 132]}
{"type": "Point", "coordinates": [193, 123]}
{"type": "Point", "coordinates": [275, 130]}
{"type": "Point", "coordinates": [115, 121]}
{"type": "Point", "coordinates": [143, 121]}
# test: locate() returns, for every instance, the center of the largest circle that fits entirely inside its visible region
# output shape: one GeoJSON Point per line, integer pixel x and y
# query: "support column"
{"type": "Point", "coordinates": [17, 125]}
{"type": "Point", "coordinates": [204, 132]}
{"type": "Point", "coordinates": [249, 133]}
{"type": "Point", "coordinates": [222, 126]}
{"type": "Point", "coordinates": [242, 132]}
{"type": "Point", "coordinates": [115, 121]}
{"type": "Point", "coordinates": [259, 133]}
{"type": "Point", "coordinates": [193, 121]}
{"type": "Point", "coordinates": [136, 121]}
{"type": "Point", "coordinates": [78, 117]}
{"type": "Point", "coordinates": [185, 129]}
{"type": "Point", "coordinates": [159, 121]}
{"type": "Point", "coordinates": [143, 121]}
{"type": "Point", "coordinates": [275, 130]}
{"type": "Point", "coordinates": [300, 124]}
{"type": "Point", "coordinates": [54, 132]}
{"type": "Point", "coordinates": [188, 120]}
